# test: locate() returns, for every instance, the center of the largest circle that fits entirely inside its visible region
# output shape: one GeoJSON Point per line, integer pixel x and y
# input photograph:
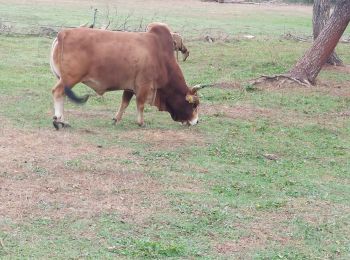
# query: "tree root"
{"type": "Point", "coordinates": [282, 78]}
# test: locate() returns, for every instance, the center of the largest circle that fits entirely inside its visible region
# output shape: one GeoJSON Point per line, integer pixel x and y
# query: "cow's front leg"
{"type": "Point", "coordinates": [140, 103]}
{"type": "Point", "coordinates": [127, 95]}
{"type": "Point", "coordinates": [58, 99]}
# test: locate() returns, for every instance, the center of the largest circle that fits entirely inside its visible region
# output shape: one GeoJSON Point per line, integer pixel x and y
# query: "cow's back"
{"type": "Point", "coordinates": [109, 60]}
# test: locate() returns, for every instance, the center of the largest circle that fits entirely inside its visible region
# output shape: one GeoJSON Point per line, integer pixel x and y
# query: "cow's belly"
{"type": "Point", "coordinates": [101, 86]}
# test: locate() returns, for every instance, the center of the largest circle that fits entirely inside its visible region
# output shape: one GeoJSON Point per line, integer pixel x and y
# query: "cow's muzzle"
{"type": "Point", "coordinates": [193, 122]}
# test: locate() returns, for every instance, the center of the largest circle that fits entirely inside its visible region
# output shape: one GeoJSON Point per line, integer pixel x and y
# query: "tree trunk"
{"type": "Point", "coordinates": [321, 11]}
{"type": "Point", "coordinates": [308, 67]}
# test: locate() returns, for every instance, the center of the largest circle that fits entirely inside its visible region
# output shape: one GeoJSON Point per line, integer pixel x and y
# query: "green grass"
{"type": "Point", "coordinates": [208, 191]}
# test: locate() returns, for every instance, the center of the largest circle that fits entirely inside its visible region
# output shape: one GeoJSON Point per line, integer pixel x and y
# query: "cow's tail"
{"type": "Point", "coordinates": [73, 97]}
{"type": "Point", "coordinates": [54, 69]}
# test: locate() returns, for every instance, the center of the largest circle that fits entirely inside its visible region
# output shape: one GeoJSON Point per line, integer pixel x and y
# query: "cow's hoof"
{"type": "Point", "coordinates": [59, 125]}
{"type": "Point", "coordinates": [115, 121]}
{"type": "Point", "coordinates": [143, 125]}
{"type": "Point", "coordinates": [66, 125]}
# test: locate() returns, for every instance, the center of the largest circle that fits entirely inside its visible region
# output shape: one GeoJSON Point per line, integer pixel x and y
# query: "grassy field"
{"type": "Point", "coordinates": [265, 175]}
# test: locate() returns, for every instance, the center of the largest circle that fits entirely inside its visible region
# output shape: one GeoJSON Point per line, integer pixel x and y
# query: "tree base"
{"type": "Point", "coordinates": [334, 60]}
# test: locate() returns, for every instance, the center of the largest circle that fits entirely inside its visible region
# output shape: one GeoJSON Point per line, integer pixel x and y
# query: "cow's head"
{"type": "Point", "coordinates": [193, 100]}
{"type": "Point", "coordinates": [182, 108]}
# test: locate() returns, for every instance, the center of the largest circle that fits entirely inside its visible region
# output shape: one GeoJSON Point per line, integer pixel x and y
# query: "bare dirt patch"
{"type": "Point", "coordinates": [51, 174]}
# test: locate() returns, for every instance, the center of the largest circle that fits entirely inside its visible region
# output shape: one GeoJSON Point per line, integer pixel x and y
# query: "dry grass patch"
{"type": "Point", "coordinates": [234, 112]}
{"type": "Point", "coordinates": [251, 113]}
{"type": "Point", "coordinates": [131, 195]}
{"type": "Point", "coordinates": [329, 88]}
{"type": "Point", "coordinates": [187, 184]}
{"type": "Point", "coordinates": [159, 139]}
{"type": "Point", "coordinates": [322, 86]}
{"type": "Point", "coordinates": [266, 228]}
{"type": "Point", "coordinates": [277, 226]}
{"type": "Point", "coordinates": [91, 114]}
{"type": "Point", "coordinates": [228, 85]}
{"type": "Point", "coordinates": [344, 69]}
{"type": "Point", "coordinates": [317, 211]}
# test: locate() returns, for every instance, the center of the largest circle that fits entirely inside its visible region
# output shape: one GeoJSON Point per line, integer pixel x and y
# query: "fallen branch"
{"type": "Point", "coordinates": [289, 36]}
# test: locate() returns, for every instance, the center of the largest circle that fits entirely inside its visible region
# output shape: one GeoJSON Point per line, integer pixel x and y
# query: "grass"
{"type": "Point", "coordinates": [167, 191]}
{"type": "Point", "coordinates": [185, 16]}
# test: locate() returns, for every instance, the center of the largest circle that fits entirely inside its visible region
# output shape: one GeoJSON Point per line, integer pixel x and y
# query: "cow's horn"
{"type": "Point", "coordinates": [200, 86]}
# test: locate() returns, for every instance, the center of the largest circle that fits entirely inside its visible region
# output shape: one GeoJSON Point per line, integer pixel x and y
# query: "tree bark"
{"type": "Point", "coordinates": [309, 66]}
{"type": "Point", "coordinates": [321, 12]}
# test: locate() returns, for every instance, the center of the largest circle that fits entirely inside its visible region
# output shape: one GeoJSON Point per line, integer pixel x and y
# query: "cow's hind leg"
{"type": "Point", "coordinates": [127, 95]}
{"type": "Point", "coordinates": [58, 99]}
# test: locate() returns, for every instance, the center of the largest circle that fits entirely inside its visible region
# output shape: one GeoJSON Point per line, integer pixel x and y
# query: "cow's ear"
{"type": "Point", "coordinates": [192, 99]}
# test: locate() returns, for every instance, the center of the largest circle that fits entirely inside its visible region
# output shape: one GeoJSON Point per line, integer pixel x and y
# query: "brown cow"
{"type": "Point", "coordinates": [180, 46]}
{"type": "Point", "coordinates": [140, 63]}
